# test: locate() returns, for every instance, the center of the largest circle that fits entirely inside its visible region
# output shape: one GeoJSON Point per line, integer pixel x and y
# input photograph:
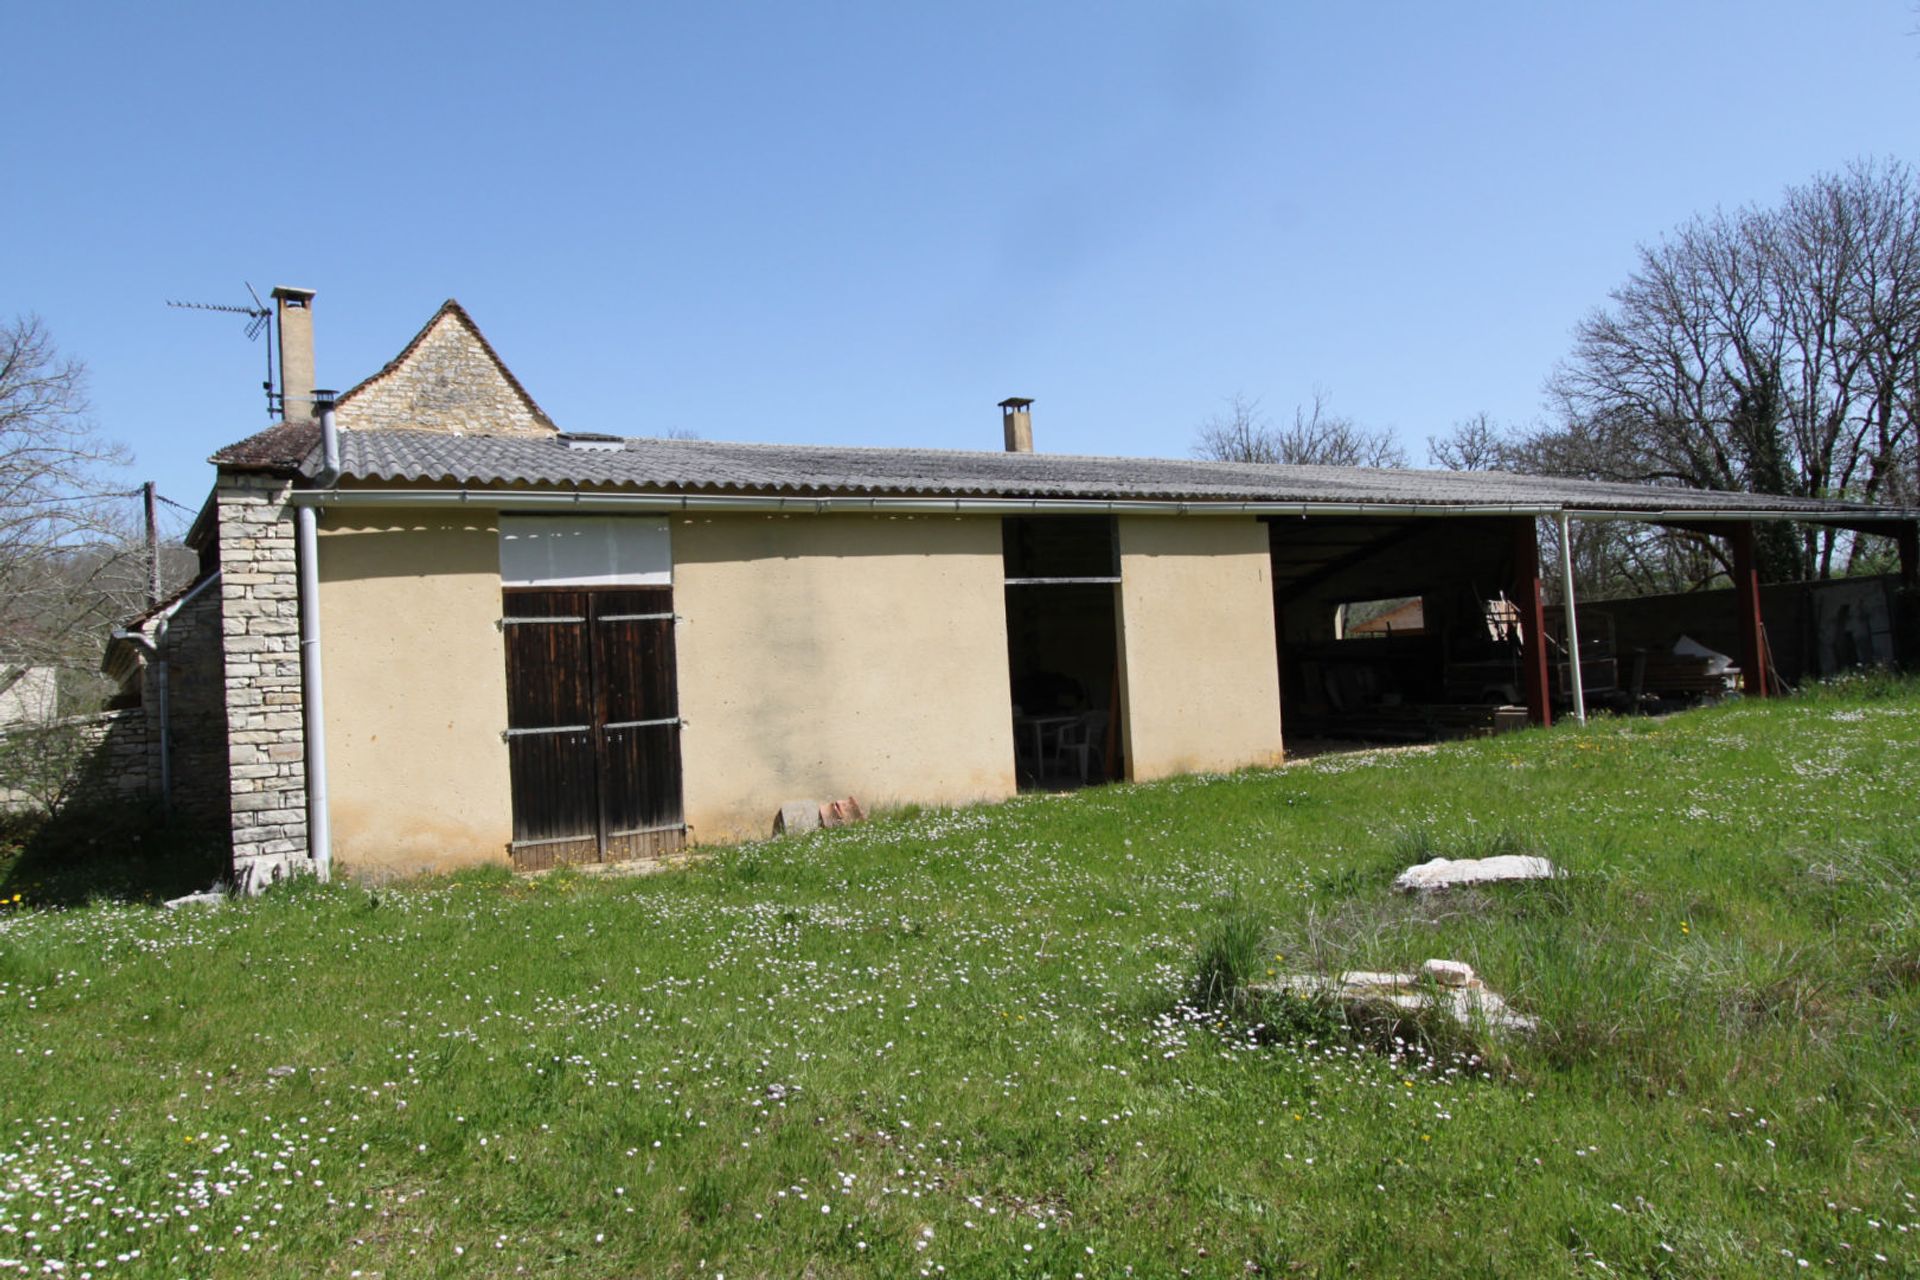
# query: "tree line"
{"type": "Point", "coordinates": [1769, 350]}
{"type": "Point", "coordinates": [73, 559]}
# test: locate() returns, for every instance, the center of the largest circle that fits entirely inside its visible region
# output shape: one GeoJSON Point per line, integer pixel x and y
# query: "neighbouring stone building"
{"type": "Point", "coordinates": [450, 634]}
{"type": "Point", "coordinates": [32, 698]}
{"type": "Point", "coordinates": [170, 663]}
{"type": "Point", "coordinates": [447, 379]}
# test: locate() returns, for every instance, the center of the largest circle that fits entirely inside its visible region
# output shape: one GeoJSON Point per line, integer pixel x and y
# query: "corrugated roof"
{"type": "Point", "coordinates": [699, 466]}
{"type": "Point", "coordinates": [713, 467]}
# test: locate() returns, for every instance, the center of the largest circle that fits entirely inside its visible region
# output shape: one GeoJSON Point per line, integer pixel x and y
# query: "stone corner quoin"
{"type": "Point", "coordinates": [260, 612]}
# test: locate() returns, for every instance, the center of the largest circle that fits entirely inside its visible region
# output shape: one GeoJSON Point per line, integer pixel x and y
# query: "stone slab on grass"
{"type": "Point", "coordinates": [1445, 986]}
{"type": "Point", "coordinates": [1450, 873]}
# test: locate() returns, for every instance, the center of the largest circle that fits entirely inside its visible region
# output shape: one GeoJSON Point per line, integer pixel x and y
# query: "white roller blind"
{"type": "Point", "coordinates": [584, 551]}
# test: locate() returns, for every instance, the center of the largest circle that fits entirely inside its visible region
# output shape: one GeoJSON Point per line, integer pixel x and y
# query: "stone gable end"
{"type": "Point", "coordinates": [449, 381]}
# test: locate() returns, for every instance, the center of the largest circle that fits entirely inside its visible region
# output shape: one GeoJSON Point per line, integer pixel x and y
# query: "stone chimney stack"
{"type": "Point", "coordinates": [294, 314]}
{"type": "Point", "coordinates": [1018, 421]}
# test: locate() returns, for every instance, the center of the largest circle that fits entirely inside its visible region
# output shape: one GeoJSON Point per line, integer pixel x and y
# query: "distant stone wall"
{"type": "Point", "coordinates": [260, 623]}
{"type": "Point", "coordinates": [448, 382]}
{"type": "Point", "coordinates": [123, 760]}
{"type": "Point", "coordinates": [196, 711]}
{"type": "Point", "coordinates": [108, 757]}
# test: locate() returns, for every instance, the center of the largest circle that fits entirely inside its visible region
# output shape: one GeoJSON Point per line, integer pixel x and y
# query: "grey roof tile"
{"type": "Point", "coordinates": [700, 466]}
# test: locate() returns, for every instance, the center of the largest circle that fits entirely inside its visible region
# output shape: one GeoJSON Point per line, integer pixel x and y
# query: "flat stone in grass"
{"type": "Point", "coordinates": [1448, 873]}
{"type": "Point", "coordinates": [1442, 986]}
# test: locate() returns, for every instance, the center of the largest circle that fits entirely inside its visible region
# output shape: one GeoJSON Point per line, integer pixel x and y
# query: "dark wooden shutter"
{"type": "Point", "coordinates": [593, 732]}
{"type": "Point", "coordinates": [550, 735]}
{"type": "Point", "coordinates": [638, 716]}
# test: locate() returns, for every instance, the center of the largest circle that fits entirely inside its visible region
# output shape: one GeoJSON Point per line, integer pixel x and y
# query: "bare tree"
{"type": "Point", "coordinates": [1475, 444]}
{"type": "Point", "coordinates": [1766, 350]}
{"type": "Point", "coordinates": [1315, 437]}
{"type": "Point", "coordinates": [69, 564]}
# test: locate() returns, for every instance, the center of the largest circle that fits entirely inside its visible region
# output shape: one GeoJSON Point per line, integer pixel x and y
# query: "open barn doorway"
{"type": "Point", "coordinates": [1063, 649]}
{"type": "Point", "coordinates": [1396, 629]}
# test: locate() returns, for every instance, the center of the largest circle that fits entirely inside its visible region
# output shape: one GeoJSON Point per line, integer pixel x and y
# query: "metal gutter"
{"type": "Point", "coordinates": [1713, 514]}
{"type": "Point", "coordinates": [580, 500]}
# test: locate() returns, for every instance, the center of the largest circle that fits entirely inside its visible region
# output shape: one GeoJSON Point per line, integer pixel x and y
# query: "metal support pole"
{"type": "Point", "coordinates": [1573, 621]}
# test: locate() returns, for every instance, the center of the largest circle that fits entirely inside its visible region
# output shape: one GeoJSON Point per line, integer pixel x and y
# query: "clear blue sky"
{"type": "Point", "coordinates": [867, 223]}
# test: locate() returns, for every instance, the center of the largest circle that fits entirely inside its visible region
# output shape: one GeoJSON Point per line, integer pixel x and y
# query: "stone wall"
{"type": "Point", "coordinates": [124, 764]}
{"type": "Point", "coordinates": [448, 380]}
{"type": "Point", "coordinates": [260, 623]}
{"type": "Point", "coordinates": [196, 711]}
{"type": "Point", "coordinates": [106, 759]}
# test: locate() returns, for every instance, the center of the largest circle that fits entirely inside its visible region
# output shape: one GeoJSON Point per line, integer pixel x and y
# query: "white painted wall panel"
{"type": "Point", "coordinates": [585, 551]}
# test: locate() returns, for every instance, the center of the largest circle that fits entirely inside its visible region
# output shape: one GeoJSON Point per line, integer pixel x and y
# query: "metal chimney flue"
{"type": "Point", "coordinates": [329, 436]}
{"type": "Point", "coordinates": [1017, 419]}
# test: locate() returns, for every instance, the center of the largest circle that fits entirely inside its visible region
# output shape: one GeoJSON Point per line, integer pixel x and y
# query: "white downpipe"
{"type": "Point", "coordinates": [312, 702]}
{"type": "Point", "coordinates": [1573, 621]}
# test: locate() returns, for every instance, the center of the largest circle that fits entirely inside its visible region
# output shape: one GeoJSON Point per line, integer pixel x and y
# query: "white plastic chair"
{"type": "Point", "coordinates": [1081, 740]}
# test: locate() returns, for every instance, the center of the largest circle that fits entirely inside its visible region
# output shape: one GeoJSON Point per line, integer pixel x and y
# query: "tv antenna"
{"type": "Point", "coordinates": [259, 320]}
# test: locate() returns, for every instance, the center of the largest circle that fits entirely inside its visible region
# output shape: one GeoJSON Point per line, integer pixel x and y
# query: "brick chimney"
{"type": "Point", "coordinates": [1018, 421]}
{"type": "Point", "coordinates": [294, 313]}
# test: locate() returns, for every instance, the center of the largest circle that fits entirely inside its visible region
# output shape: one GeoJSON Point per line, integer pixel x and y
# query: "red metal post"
{"type": "Point", "coordinates": [1906, 620]}
{"type": "Point", "coordinates": [1533, 619]}
{"type": "Point", "coordinates": [1746, 595]}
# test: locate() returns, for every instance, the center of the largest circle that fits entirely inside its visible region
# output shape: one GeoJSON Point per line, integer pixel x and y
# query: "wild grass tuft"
{"type": "Point", "coordinates": [1233, 954]}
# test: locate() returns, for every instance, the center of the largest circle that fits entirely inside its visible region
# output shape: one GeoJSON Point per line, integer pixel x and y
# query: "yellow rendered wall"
{"type": "Point", "coordinates": [1200, 681]}
{"type": "Point", "coordinates": [823, 656]}
{"type": "Point", "coordinates": [415, 686]}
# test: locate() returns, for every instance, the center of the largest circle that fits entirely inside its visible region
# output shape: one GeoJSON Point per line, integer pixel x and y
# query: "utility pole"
{"type": "Point", "coordinates": [153, 543]}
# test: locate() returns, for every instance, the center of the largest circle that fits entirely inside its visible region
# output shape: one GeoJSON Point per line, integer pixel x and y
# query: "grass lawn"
{"type": "Point", "coordinates": [961, 1043]}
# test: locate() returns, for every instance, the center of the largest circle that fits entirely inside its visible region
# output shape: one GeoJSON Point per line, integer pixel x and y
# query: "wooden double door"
{"type": "Point", "coordinates": [593, 724]}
